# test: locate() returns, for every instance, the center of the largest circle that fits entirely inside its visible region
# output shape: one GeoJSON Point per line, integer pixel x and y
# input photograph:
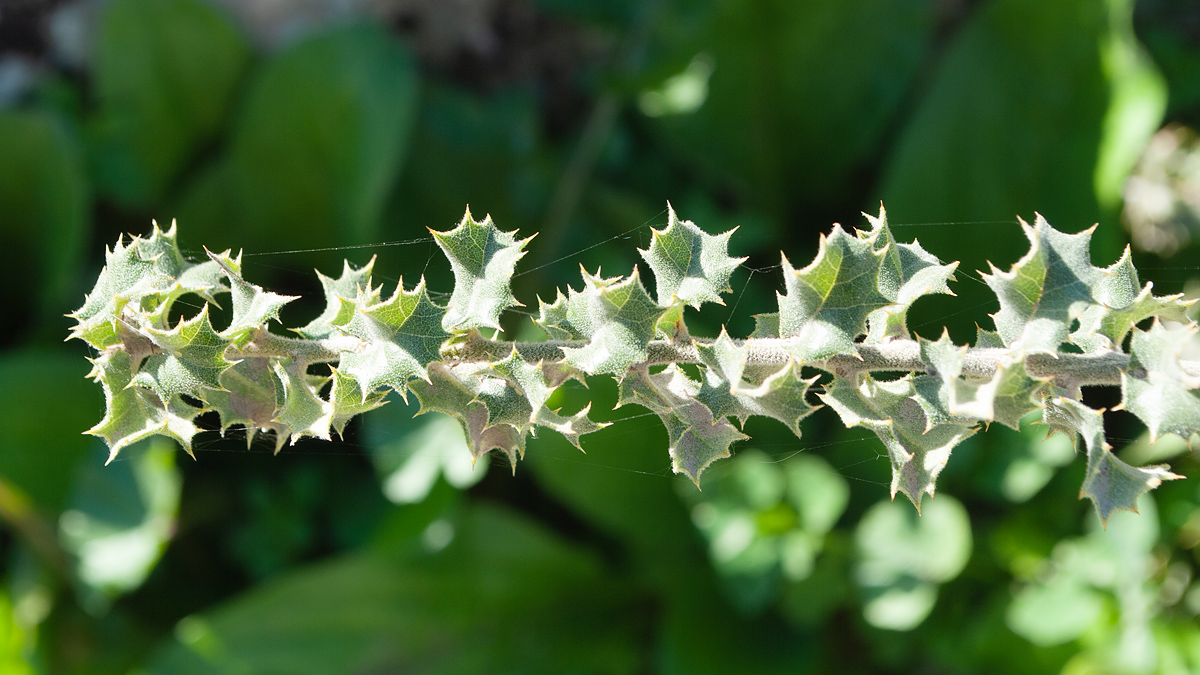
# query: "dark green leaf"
{"type": "Point", "coordinates": [165, 74]}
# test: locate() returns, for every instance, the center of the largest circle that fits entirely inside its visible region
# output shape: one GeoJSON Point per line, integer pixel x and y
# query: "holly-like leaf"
{"type": "Point", "coordinates": [249, 394]}
{"type": "Point", "coordinates": [192, 359]}
{"type": "Point", "coordinates": [690, 266]}
{"type": "Point", "coordinates": [402, 336]}
{"type": "Point", "coordinates": [347, 399]}
{"type": "Point", "coordinates": [461, 392]}
{"type": "Point", "coordinates": [133, 413]}
{"type": "Point", "coordinates": [498, 404]}
{"type": "Point", "coordinates": [766, 325]}
{"type": "Point", "coordinates": [918, 450]}
{"type": "Point", "coordinates": [1006, 397]}
{"type": "Point", "coordinates": [1046, 289]}
{"type": "Point", "coordinates": [483, 259]}
{"type": "Point", "coordinates": [697, 438]}
{"type": "Point", "coordinates": [532, 382]}
{"type": "Point", "coordinates": [828, 302]}
{"type": "Point", "coordinates": [135, 343]}
{"type": "Point", "coordinates": [553, 317]}
{"type": "Point", "coordinates": [253, 307]}
{"type": "Point", "coordinates": [908, 273]}
{"type": "Point", "coordinates": [1156, 387]}
{"type": "Point", "coordinates": [780, 395]}
{"type": "Point", "coordinates": [615, 315]}
{"type": "Point", "coordinates": [1111, 484]}
{"type": "Point", "coordinates": [131, 273]}
{"type": "Point", "coordinates": [445, 391]}
{"type": "Point", "coordinates": [302, 413]}
{"type": "Point", "coordinates": [1123, 304]}
{"type": "Point", "coordinates": [340, 295]}
{"type": "Point", "coordinates": [987, 339]}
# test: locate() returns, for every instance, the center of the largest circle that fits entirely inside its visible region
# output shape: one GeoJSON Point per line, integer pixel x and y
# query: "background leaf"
{"type": "Point", "coordinates": [373, 612]}
{"type": "Point", "coordinates": [315, 148]}
{"type": "Point", "coordinates": [44, 199]}
{"type": "Point", "coordinates": [166, 74]}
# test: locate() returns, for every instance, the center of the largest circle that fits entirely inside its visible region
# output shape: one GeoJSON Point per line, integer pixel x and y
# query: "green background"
{"type": "Point", "coordinates": [388, 552]}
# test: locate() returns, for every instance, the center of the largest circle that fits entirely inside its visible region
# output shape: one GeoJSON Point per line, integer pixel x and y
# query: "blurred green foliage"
{"type": "Point", "coordinates": [389, 552]}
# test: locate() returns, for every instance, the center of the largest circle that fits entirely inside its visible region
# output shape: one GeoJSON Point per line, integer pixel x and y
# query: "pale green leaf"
{"type": "Point", "coordinates": [253, 307]}
{"type": "Point", "coordinates": [697, 439]}
{"type": "Point", "coordinates": [120, 520]}
{"type": "Point", "coordinates": [347, 399]}
{"type": "Point", "coordinates": [133, 413]}
{"type": "Point", "coordinates": [1008, 396]}
{"type": "Point", "coordinates": [903, 557]}
{"type": "Point", "coordinates": [340, 295]}
{"type": "Point", "coordinates": [766, 325]}
{"type": "Point", "coordinates": [918, 450]}
{"type": "Point", "coordinates": [553, 318]}
{"type": "Point", "coordinates": [1123, 303]}
{"type": "Point", "coordinates": [403, 335]}
{"type": "Point", "coordinates": [1111, 484]}
{"type": "Point", "coordinates": [483, 259]}
{"type": "Point", "coordinates": [249, 395]}
{"type": "Point", "coordinates": [828, 302]}
{"type": "Point", "coordinates": [302, 413]}
{"type": "Point", "coordinates": [130, 273]}
{"type": "Point", "coordinates": [1046, 289]}
{"type": "Point", "coordinates": [533, 383]}
{"type": "Point", "coordinates": [690, 266]}
{"type": "Point", "coordinates": [987, 339]}
{"type": "Point", "coordinates": [445, 390]}
{"type": "Point", "coordinates": [615, 315]}
{"type": "Point", "coordinates": [1156, 388]}
{"type": "Point", "coordinates": [726, 391]}
{"type": "Point", "coordinates": [908, 272]}
{"type": "Point", "coordinates": [493, 415]}
{"type": "Point", "coordinates": [190, 358]}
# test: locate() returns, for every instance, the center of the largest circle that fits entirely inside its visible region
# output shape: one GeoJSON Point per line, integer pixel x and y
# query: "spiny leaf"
{"type": "Point", "coordinates": [531, 381]}
{"type": "Point", "coordinates": [908, 273]}
{"type": "Point", "coordinates": [766, 325]}
{"type": "Point", "coordinates": [917, 449]}
{"type": "Point", "coordinates": [445, 391]}
{"type": "Point", "coordinates": [780, 395]}
{"type": "Point", "coordinates": [483, 259]}
{"type": "Point", "coordinates": [133, 413]}
{"type": "Point", "coordinates": [615, 315]}
{"type": "Point", "coordinates": [987, 339]}
{"type": "Point", "coordinates": [347, 399]}
{"type": "Point", "coordinates": [402, 335]}
{"type": "Point", "coordinates": [248, 395]}
{"type": "Point", "coordinates": [1123, 305]}
{"type": "Point", "coordinates": [456, 391]}
{"type": "Point", "coordinates": [554, 320]}
{"type": "Point", "coordinates": [828, 302]}
{"type": "Point", "coordinates": [1156, 388]}
{"type": "Point", "coordinates": [146, 269]}
{"type": "Point", "coordinates": [253, 307]}
{"type": "Point", "coordinates": [1008, 396]}
{"type": "Point", "coordinates": [192, 359]}
{"type": "Point", "coordinates": [485, 437]}
{"type": "Point", "coordinates": [340, 295]}
{"type": "Point", "coordinates": [302, 412]}
{"type": "Point", "coordinates": [136, 343]}
{"type": "Point", "coordinates": [690, 266]}
{"type": "Point", "coordinates": [1046, 289]}
{"type": "Point", "coordinates": [1111, 484]}
{"type": "Point", "coordinates": [697, 439]}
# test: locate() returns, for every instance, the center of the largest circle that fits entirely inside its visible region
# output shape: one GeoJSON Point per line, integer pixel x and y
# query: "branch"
{"type": "Point", "coordinates": [896, 356]}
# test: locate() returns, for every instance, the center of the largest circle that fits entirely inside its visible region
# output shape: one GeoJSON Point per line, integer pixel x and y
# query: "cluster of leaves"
{"type": "Point", "coordinates": [852, 298]}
